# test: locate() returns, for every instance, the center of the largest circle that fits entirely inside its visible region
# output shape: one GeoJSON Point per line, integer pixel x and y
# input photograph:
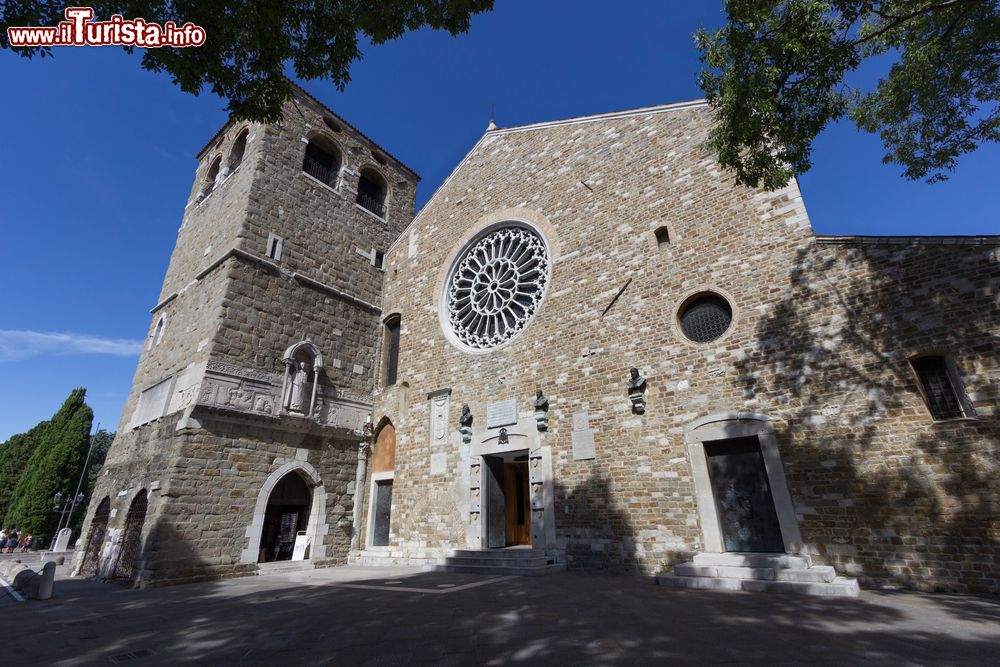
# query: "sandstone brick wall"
{"type": "Point", "coordinates": [226, 302]}
{"type": "Point", "coordinates": [323, 227]}
{"type": "Point", "coordinates": [597, 191]}
{"type": "Point", "coordinates": [882, 490]}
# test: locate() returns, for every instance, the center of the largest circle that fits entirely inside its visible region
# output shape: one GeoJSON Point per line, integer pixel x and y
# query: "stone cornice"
{"type": "Point", "coordinates": [273, 267]}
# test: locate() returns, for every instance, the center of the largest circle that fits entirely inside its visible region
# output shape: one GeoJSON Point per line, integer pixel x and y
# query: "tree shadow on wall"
{"type": "Point", "coordinates": [598, 533]}
{"type": "Point", "coordinates": [880, 487]}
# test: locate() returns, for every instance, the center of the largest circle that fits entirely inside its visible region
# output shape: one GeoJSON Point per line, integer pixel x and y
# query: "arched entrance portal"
{"type": "Point", "coordinates": [380, 498]}
{"type": "Point", "coordinates": [286, 515]}
{"type": "Point", "coordinates": [132, 540]}
{"type": "Point", "coordinates": [95, 539]}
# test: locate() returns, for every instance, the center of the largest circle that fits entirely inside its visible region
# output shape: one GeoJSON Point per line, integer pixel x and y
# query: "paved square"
{"type": "Point", "coordinates": [403, 616]}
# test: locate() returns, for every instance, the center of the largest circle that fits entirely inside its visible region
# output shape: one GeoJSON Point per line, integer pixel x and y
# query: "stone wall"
{"type": "Point", "coordinates": [209, 453]}
{"type": "Point", "coordinates": [597, 190]}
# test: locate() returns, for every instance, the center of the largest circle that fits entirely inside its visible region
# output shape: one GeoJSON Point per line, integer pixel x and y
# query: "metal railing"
{"type": "Point", "coordinates": [320, 171]}
{"type": "Point", "coordinates": [371, 203]}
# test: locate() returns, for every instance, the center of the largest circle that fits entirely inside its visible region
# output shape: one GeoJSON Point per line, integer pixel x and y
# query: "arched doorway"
{"type": "Point", "coordinates": [95, 539]}
{"type": "Point", "coordinates": [380, 499]}
{"type": "Point", "coordinates": [286, 515]}
{"type": "Point", "coordinates": [132, 539]}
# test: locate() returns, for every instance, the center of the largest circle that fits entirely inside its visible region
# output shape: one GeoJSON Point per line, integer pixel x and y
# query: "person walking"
{"type": "Point", "coordinates": [26, 543]}
{"type": "Point", "coordinates": [12, 540]}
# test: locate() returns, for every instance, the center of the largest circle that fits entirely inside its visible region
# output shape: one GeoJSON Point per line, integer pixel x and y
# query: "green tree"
{"type": "Point", "coordinates": [248, 42]}
{"type": "Point", "coordinates": [14, 457]}
{"type": "Point", "coordinates": [776, 76]}
{"type": "Point", "coordinates": [54, 467]}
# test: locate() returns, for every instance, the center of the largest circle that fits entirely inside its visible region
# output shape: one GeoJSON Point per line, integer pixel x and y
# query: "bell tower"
{"type": "Point", "coordinates": [254, 386]}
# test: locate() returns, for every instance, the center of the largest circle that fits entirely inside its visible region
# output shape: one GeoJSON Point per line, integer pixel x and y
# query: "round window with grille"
{"type": "Point", "coordinates": [495, 286]}
{"type": "Point", "coordinates": [705, 317]}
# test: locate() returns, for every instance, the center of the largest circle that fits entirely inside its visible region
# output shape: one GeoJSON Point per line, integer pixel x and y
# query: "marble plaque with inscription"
{"type": "Point", "coordinates": [439, 417]}
{"type": "Point", "coordinates": [501, 413]}
{"type": "Point", "coordinates": [583, 445]}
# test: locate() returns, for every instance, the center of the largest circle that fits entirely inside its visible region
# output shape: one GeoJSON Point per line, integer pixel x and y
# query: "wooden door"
{"type": "Point", "coordinates": [743, 496]}
{"type": "Point", "coordinates": [517, 505]}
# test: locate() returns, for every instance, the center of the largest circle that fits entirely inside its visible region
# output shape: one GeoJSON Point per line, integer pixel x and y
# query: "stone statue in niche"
{"type": "Point", "coordinates": [299, 388]}
{"type": "Point", "coordinates": [637, 391]}
{"type": "Point", "coordinates": [465, 424]}
{"type": "Point", "coordinates": [541, 411]}
{"type": "Point", "coordinates": [299, 395]}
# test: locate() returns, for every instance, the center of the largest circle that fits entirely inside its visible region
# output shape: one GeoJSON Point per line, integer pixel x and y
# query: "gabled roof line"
{"type": "Point", "coordinates": [612, 115]}
{"type": "Point", "coordinates": [445, 182]}
{"type": "Point", "coordinates": [676, 106]}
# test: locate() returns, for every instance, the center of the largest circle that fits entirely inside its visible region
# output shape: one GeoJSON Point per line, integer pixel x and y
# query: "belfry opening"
{"type": "Point", "coordinates": [285, 519]}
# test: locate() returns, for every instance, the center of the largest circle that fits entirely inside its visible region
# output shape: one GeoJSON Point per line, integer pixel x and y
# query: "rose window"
{"type": "Point", "coordinates": [496, 287]}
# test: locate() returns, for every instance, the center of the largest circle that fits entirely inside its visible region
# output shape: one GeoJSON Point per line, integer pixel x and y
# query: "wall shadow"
{"type": "Point", "coordinates": [882, 491]}
{"type": "Point", "coordinates": [595, 533]}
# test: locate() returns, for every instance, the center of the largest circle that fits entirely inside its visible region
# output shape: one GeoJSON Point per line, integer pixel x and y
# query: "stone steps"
{"type": "Point", "coordinates": [517, 562]}
{"type": "Point", "coordinates": [739, 559]}
{"type": "Point", "coordinates": [819, 573]}
{"type": "Point", "coordinates": [777, 573]}
{"type": "Point", "coordinates": [507, 570]}
{"type": "Point", "coordinates": [284, 567]}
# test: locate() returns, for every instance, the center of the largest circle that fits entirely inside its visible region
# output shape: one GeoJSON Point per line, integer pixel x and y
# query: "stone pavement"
{"type": "Point", "coordinates": [403, 616]}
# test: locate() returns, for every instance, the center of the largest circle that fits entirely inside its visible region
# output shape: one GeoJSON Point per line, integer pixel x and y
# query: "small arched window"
{"type": "Point", "coordinates": [371, 192]}
{"type": "Point", "coordinates": [239, 148]}
{"type": "Point", "coordinates": [391, 354]}
{"type": "Point", "coordinates": [212, 176]}
{"type": "Point", "coordinates": [321, 161]}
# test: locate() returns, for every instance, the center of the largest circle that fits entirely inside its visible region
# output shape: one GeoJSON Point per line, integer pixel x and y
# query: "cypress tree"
{"type": "Point", "coordinates": [55, 466]}
{"type": "Point", "coordinates": [14, 457]}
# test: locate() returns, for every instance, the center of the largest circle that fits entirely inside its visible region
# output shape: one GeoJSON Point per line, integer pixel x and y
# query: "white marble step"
{"type": "Point", "coordinates": [511, 554]}
{"type": "Point", "coordinates": [507, 570]}
{"type": "Point", "coordinates": [283, 566]}
{"type": "Point", "coordinates": [816, 573]}
{"type": "Point", "coordinates": [485, 559]}
{"type": "Point", "coordinates": [522, 562]}
{"type": "Point", "coordinates": [839, 587]}
{"type": "Point", "coordinates": [748, 559]}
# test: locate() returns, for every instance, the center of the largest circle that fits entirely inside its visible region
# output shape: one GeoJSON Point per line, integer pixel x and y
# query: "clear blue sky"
{"type": "Point", "coordinates": [99, 157]}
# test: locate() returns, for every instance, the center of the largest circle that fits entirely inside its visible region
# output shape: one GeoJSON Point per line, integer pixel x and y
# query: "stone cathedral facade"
{"type": "Point", "coordinates": [589, 350]}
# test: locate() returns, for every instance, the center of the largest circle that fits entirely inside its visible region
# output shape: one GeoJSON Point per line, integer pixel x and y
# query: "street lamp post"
{"type": "Point", "coordinates": [68, 505]}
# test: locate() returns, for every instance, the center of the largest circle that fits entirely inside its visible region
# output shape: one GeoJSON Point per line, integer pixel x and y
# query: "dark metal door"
{"type": "Point", "coordinates": [383, 509]}
{"type": "Point", "coordinates": [743, 496]}
{"type": "Point", "coordinates": [132, 540]}
{"type": "Point", "coordinates": [95, 539]}
{"type": "Point", "coordinates": [496, 514]}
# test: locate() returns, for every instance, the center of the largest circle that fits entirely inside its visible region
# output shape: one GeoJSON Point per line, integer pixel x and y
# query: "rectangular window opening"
{"type": "Point", "coordinates": [940, 387]}
{"type": "Point", "coordinates": [274, 244]}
